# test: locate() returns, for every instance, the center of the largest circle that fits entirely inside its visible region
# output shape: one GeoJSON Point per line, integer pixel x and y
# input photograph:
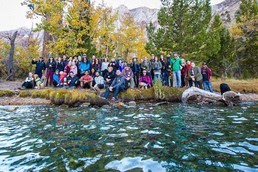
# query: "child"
{"type": "Point", "coordinates": [39, 82]}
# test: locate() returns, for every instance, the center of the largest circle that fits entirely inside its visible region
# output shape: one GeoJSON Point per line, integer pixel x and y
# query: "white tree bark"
{"type": "Point", "coordinates": [229, 98]}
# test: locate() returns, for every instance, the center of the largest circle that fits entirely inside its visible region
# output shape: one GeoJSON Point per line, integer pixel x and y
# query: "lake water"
{"type": "Point", "coordinates": [146, 138]}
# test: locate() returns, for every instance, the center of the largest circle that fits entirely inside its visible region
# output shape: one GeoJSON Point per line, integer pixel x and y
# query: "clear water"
{"type": "Point", "coordinates": [147, 138]}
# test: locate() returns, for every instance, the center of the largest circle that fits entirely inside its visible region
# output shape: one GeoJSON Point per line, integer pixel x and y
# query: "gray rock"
{"type": "Point", "coordinates": [132, 104]}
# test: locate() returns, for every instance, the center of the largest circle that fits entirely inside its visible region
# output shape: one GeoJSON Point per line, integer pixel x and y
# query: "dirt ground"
{"type": "Point", "coordinates": [15, 100]}
{"type": "Point", "coordinates": [10, 85]}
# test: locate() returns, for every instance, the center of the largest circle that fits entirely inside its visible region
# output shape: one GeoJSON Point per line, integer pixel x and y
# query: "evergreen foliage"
{"type": "Point", "coordinates": [246, 39]}
{"type": "Point", "coordinates": [183, 27]}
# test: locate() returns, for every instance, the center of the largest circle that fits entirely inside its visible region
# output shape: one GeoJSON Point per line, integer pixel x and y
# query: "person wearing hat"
{"type": "Point", "coordinates": [206, 75]}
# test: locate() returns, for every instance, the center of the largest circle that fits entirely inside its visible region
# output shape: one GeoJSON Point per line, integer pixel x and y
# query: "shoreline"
{"type": "Point", "coordinates": [11, 95]}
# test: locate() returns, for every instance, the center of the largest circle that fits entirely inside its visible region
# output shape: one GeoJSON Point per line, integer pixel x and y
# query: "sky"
{"type": "Point", "coordinates": [13, 15]}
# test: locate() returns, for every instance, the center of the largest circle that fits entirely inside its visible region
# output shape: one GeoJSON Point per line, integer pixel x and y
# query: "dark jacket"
{"type": "Point", "coordinates": [118, 81]}
{"type": "Point", "coordinates": [135, 67]}
{"type": "Point", "coordinates": [40, 66]}
{"type": "Point", "coordinates": [60, 66]}
{"type": "Point", "coordinates": [73, 81]}
{"type": "Point", "coordinates": [109, 75]}
{"type": "Point", "coordinates": [51, 66]}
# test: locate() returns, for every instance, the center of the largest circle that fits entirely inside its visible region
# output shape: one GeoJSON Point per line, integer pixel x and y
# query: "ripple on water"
{"type": "Point", "coordinates": [240, 150]}
{"type": "Point", "coordinates": [224, 151]}
{"type": "Point", "coordinates": [96, 137]}
{"type": "Point", "coordinates": [150, 132]}
{"type": "Point", "coordinates": [240, 119]}
{"type": "Point", "coordinates": [252, 139]}
{"type": "Point", "coordinates": [130, 163]}
{"type": "Point", "coordinates": [118, 135]}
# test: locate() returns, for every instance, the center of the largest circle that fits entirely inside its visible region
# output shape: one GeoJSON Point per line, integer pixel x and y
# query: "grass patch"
{"type": "Point", "coordinates": [6, 93]}
{"type": "Point", "coordinates": [242, 86]}
{"type": "Point", "coordinates": [25, 93]}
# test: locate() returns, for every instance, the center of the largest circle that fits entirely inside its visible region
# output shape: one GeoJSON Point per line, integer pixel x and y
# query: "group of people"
{"type": "Point", "coordinates": [117, 75]}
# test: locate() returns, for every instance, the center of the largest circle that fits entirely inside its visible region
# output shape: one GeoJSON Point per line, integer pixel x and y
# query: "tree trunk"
{"type": "Point", "coordinates": [10, 58]}
{"type": "Point", "coordinates": [46, 39]}
{"type": "Point", "coordinates": [229, 98]}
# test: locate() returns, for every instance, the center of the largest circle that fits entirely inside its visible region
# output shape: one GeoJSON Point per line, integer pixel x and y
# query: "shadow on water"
{"type": "Point", "coordinates": [149, 137]}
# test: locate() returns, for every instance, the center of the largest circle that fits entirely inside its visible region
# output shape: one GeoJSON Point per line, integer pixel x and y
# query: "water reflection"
{"type": "Point", "coordinates": [149, 137]}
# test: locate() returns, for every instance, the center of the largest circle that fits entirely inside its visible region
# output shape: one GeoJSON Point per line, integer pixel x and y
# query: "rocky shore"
{"type": "Point", "coordinates": [11, 95]}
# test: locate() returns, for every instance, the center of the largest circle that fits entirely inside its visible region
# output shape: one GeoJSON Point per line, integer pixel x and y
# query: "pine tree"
{"type": "Point", "coordinates": [150, 46]}
{"type": "Point", "coordinates": [220, 47]}
{"type": "Point", "coordinates": [184, 25]}
{"type": "Point", "coordinates": [246, 38]}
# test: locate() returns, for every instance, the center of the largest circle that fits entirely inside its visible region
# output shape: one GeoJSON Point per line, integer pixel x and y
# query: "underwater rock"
{"type": "Point", "coordinates": [132, 104]}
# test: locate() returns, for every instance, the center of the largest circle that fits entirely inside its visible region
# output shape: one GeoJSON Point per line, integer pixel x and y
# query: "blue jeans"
{"type": "Point", "coordinates": [165, 78]}
{"type": "Point", "coordinates": [177, 78]}
{"type": "Point", "coordinates": [207, 86]}
{"type": "Point", "coordinates": [156, 77]}
{"type": "Point", "coordinates": [116, 91]}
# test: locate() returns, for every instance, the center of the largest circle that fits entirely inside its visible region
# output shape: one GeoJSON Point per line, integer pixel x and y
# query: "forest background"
{"type": "Point", "coordinates": [186, 26]}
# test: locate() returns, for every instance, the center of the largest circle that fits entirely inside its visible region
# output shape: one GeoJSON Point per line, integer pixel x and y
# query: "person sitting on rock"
{"type": "Point", "coordinates": [109, 76]}
{"type": "Point", "coordinates": [99, 82]}
{"type": "Point", "coordinates": [117, 86]}
{"type": "Point", "coordinates": [56, 79]}
{"type": "Point", "coordinates": [29, 82]}
{"type": "Point", "coordinates": [145, 80]}
{"type": "Point", "coordinates": [86, 80]}
{"type": "Point", "coordinates": [72, 80]}
{"type": "Point", "coordinates": [39, 82]}
{"type": "Point", "coordinates": [127, 73]}
{"type": "Point", "coordinates": [62, 79]}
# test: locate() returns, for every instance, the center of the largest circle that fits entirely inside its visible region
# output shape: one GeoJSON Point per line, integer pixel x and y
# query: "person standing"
{"type": "Point", "coordinates": [175, 64]}
{"type": "Point", "coordinates": [152, 60]}
{"type": "Point", "coordinates": [51, 67]}
{"type": "Point", "coordinates": [127, 73]}
{"type": "Point", "coordinates": [206, 75]}
{"type": "Point", "coordinates": [146, 65]}
{"type": "Point", "coordinates": [59, 64]}
{"type": "Point", "coordinates": [164, 70]}
{"type": "Point", "coordinates": [40, 66]}
{"type": "Point", "coordinates": [183, 73]}
{"type": "Point", "coordinates": [136, 71]}
{"type": "Point", "coordinates": [188, 79]}
{"type": "Point", "coordinates": [157, 69]}
{"type": "Point", "coordinates": [196, 76]}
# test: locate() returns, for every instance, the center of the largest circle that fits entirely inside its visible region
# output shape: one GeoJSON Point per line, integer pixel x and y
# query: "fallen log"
{"type": "Point", "coordinates": [229, 98]}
